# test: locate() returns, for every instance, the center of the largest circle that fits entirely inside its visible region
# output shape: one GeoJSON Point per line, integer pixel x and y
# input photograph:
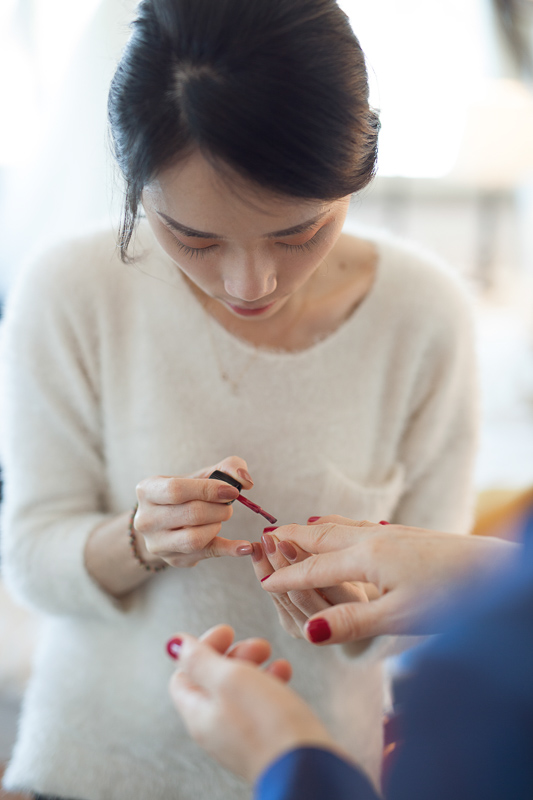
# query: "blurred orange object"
{"type": "Point", "coordinates": [501, 512]}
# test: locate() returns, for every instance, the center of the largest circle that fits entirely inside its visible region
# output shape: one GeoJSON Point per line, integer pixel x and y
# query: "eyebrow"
{"type": "Point", "coordinates": [192, 232]}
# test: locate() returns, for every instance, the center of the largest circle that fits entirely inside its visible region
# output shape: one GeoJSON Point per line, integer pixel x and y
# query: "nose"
{"type": "Point", "coordinates": [250, 278]}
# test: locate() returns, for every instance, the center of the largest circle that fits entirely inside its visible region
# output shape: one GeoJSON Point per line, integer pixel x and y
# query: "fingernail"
{"type": "Point", "coordinates": [313, 519]}
{"type": "Point", "coordinates": [318, 630]}
{"type": "Point", "coordinates": [288, 550]}
{"type": "Point", "coordinates": [257, 553]}
{"type": "Point", "coordinates": [384, 522]}
{"type": "Point", "coordinates": [174, 647]}
{"type": "Point", "coordinates": [227, 492]}
{"type": "Point", "coordinates": [268, 544]}
{"type": "Point", "coordinates": [270, 528]}
{"type": "Point", "coordinates": [244, 475]}
{"type": "Point", "coordinates": [245, 550]}
{"type": "Point", "coordinates": [264, 579]}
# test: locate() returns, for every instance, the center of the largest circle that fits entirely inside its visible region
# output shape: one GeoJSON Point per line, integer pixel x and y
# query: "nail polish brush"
{"type": "Point", "coordinates": [222, 476]}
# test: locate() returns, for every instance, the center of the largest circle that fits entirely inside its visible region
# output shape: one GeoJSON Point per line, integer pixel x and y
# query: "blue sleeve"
{"type": "Point", "coordinates": [310, 773]}
{"type": "Point", "coordinates": [468, 707]}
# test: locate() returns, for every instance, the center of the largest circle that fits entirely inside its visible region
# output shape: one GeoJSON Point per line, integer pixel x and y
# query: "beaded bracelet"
{"type": "Point", "coordinates": [133, 545]}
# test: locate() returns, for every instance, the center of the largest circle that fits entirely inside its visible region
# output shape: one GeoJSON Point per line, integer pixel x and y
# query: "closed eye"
{"type": "Point", "coordinates": [307, 245]}
{"type": "Point", "coordinates": [195, 252]}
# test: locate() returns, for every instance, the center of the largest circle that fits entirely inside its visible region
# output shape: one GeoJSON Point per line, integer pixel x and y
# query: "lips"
{"type": "Point", "coordinates": [250, 312]}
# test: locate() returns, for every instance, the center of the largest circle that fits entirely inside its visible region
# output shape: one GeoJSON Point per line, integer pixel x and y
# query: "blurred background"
{"type": "Point", "coordinates": [453, 80]}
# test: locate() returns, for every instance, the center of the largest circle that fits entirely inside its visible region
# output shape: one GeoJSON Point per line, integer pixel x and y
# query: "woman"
{"type": "Point", "coordinates": [239, 319]}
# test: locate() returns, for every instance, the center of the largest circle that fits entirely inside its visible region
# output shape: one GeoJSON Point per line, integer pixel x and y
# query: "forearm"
{"type": "Point", "coordinates": [110, 561]}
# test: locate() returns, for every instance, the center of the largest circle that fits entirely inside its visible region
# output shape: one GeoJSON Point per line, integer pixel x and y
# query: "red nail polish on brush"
{"type": "Point", "coordinates": [218, 475]}
{"type": "Point", "coordinates": [174, 647]}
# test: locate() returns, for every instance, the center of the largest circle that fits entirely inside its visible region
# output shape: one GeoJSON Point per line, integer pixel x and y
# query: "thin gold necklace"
{"type": "Point", "coordinates": [233, 382]}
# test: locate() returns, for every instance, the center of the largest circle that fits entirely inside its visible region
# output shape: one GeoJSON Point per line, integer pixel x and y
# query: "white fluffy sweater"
{"type": "Point", "coordinates": [112, 374]}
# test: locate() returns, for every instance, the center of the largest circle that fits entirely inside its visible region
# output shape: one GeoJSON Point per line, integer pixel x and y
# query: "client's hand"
{"type": "Point", "coordinates": [296, 607]}
{"type": "Point", "coordinates": [410, 567]}
{"type": "Point", "coordinates": [243, 716]}
{"type": "Point", "coordinates": [178, 519]}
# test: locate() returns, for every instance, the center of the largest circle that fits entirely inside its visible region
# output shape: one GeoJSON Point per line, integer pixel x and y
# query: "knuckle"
{"type": "Point", "coordinates": [140, 490]}
{"type": "Point", "coordinates": [141, 522]}
{"type": "Point", "coordinates": [193, 513]}
{"type": "Point", "coordinates": [211, 551]}
{"type": "Point", "coordinates": [348, 622]}
{"type": "Point", "coordinates": [323, 532]}
{"type": "Point", "coordinates": [175, 491]}
{"type": "Point", "coordinates": [300, 598]}
{"type": "Point", "coordinates": [194, 541]}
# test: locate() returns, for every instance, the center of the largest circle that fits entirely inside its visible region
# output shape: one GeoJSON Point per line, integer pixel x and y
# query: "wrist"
{"type": "Point", "coordinates": [140, 552]}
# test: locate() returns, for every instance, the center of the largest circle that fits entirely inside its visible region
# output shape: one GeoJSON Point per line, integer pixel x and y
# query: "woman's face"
{"type": "Point", "coordinates": [246, 249]}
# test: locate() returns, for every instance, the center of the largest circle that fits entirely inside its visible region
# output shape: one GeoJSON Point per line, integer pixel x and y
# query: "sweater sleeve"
{"type": "Point", "coordinates": [438, 446]}
{"type": "Point", "coordinates": [55, 477]}
{"type": "Point", "coordinates": [310, 773]}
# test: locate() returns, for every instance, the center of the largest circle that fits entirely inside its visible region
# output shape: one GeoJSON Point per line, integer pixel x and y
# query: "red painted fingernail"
{"type": "Point", "coordinates": [257, 553]}
{"type": "Point", "coordinates": [288, 550]}
{"type": "Point", "coordinates": [268, 543]}
{"type": "Point", "coordinates": [271, 528]}
{"type": "Point", "coordinates": [384, 522]}
{"type": "Point", "coordinates": [318, 630]}
{"type": "Point", "coordinates": [313, 519]}
{"type": "Point", "coordinates": [245, 550]}
{"type": "Point", "coordinates": [264, 579]}
{"type": "Point", "coordinates": [174, 647]}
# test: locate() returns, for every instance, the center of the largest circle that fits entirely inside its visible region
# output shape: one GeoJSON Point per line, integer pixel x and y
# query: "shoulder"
{"type": "Point", "coordinates": [84, 273]}
{"type": "Point", "coordinates": [422, 283]}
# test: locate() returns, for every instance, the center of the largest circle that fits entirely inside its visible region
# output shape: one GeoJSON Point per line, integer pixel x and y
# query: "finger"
{"type": "Point", "coordinates": [219, 637]}
{"type": "Point", "coordinates": [307, 601]}
{"type": "Point", "coordinates": [338, 520]}
{"type": "Point", "coordinates": [234, 466]}
{"type": "Point", "coordinates": [153, 519]}
{"type": "Point", "coordinates": [201, 541]}
{"type": "Point", "coordinates": [327, 536]}
{"type": "Point", "coordinates": [345, 593]}
{"type": "Point", "coordinates": [349, 622]}
{"type": "Point", "coordinates": [292, 551]}
{"type": "Point", "coordinates": [281, 669]}
{"type": "Point", "coordinates": [255, 650]}
{"type": "Point", "coordinates": [262, 566]}
{"type": "Point", "coordinates": [317, 571]}
{"type": "Point", "coordinates": [270, 548]}
{"type": "Point", "coordinates": [291, 618]}
{"type": "Point", "coordinates": [219, 547]}
{"type": "Point", "coordinates": [175, 490]}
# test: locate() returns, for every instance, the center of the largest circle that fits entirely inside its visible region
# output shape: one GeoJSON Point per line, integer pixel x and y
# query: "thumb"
{"type": "Point", "coordinates": [349, 622]}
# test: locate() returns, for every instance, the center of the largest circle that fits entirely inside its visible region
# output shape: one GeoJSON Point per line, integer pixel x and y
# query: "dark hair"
{"type": "Point", "coordinates": [275, 89]}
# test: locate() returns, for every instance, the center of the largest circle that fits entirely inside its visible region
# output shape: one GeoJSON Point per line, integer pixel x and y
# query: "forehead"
{"type": "Point", "coordinates": [199, 196]}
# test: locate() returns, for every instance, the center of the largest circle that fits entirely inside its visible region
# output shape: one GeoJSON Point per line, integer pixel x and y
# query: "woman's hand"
{"type": "Point", "coordinates": [411, 568]}
{"type": "Point", "coordinates": [243, 716]}
{"type": "Point", "coordinates": [179, 518]}
{"type": "Point", "coordinates": [297, 606]}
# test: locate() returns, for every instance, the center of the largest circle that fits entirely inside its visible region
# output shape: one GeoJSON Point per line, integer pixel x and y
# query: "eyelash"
{"type": "Point", "coordinates": [200, 252]}
{"type": "Point", "coordinates": [194, 252]}
{"type": "Point", "coordinates": [305, 246]}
